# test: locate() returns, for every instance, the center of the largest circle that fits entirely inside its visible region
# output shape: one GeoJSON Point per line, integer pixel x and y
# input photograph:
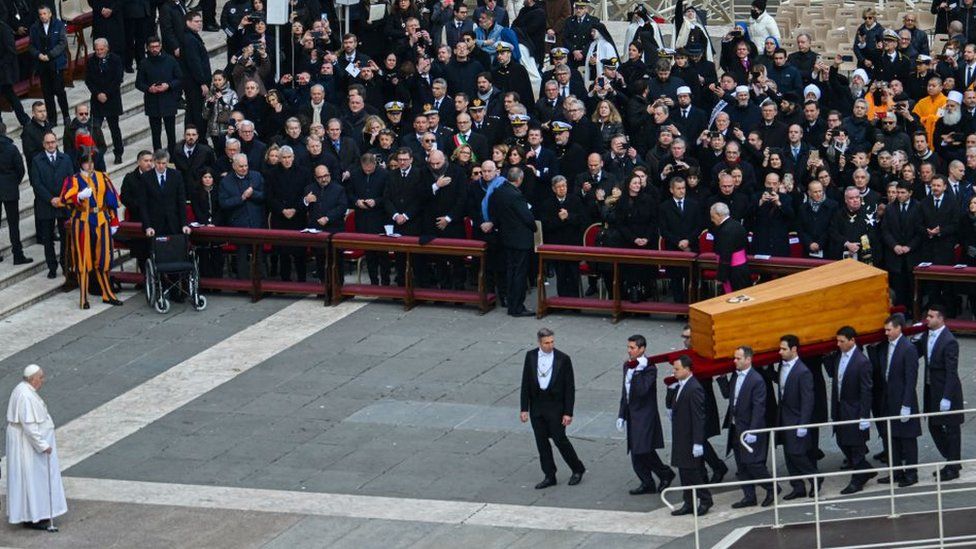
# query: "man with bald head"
{"type": "Point", "coordinates": [445, 188]}
{"type": "Point", "coordinates": [35, 494]}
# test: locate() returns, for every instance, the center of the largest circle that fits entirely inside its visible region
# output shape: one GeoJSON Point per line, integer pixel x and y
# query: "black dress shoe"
{"type": "Point", "coordinates": [211, 28]}
{"type": "Point", "coordinates": [665, 483]}
{"type": "Point", "coordinates": [719, 474]}
{"type": "Point", "coordinates": [118, 159]}
{"type": "Point", "coordinates": [743, 503]}
{"type": "Point", "coordinates": [908, 480]}
{"type": "Point", "coordinates": [851, 489]}
{"type": "Point", "coordinates": [643, 489]}
{"type": "Point", "coordinates": [36, 525]}
{"type": "Point", "coordinates": [889, 480]}
{"type": "Point", "coordinates": [546, 482]}
{"type": "Point", "coordinates": [685, 510]}
{"type": "Point", "coordinates": [86, 305]}
{"type": "Point", "coordinates": [882, 457]}
{"type": "Point", "coordinates": [523, 312]}
{"type": "Point", "coordinates": [768, 500]}
{"type": "Point", "coordinates": [576, 478]}
{"type": "Point", "coordinates": [950, 474]}
{"type": "Point", "coordinates": [113, 301]}
{"type": "Point", "coordinates": [703, 509]}
{"type": "Point", "coordinates": [794, 495]}
{"type": "Point", "coordinates": [52, 274]}
{"type": "Point", "coordinates": [130, 70]}
{"type": "Point", "coordinates": [23, 260]}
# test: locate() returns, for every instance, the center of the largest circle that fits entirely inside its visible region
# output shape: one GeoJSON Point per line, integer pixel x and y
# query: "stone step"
{"type": "Point", "coordinates": [11, 274]}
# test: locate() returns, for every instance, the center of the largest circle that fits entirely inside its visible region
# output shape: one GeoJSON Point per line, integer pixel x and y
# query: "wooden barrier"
{"type": "Point", "coordinates": [615, 257]}
{"type": "Point", "coordinates": [257, 239]}
{"type": "Point", "coordinates": [943, 273]}
{"type": "Point", "coordinates": [410, 246]}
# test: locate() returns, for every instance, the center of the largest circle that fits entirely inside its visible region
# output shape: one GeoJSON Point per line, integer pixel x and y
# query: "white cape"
{"type": "Point", "coordinates": [34, 488]}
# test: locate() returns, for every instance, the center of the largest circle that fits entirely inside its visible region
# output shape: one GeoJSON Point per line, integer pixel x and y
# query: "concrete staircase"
{"type": "Point", "coordinates": [23, 285]}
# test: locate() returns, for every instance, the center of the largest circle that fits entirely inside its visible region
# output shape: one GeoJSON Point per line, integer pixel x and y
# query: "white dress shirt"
{"type": "Point", "coordinates": [543, 371]}
{"type": "Point", "coordinates": [845, 358]}
{"type": "Point", "coordinates": [641, 364]}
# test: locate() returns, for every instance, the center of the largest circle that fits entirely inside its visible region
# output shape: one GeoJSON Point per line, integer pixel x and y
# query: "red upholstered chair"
{"type": "Point", "coordinates": [354, 256]}
{"type": "Point", "coordinates": [585, 269]}
{"type": "Point", "coordinates": [796, 248]}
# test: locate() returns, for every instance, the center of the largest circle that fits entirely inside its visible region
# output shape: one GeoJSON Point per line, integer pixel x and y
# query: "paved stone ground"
{"type": "Point", "coordinates": [419, 404]}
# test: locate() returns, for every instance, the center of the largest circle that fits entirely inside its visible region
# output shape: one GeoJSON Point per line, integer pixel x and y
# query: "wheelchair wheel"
{"type": "Point", "coordinates": [150, 283]}
{"type": "Point", "coordinates": [200, 303]}
{"type": "Point", "coordinates": [161, 305]}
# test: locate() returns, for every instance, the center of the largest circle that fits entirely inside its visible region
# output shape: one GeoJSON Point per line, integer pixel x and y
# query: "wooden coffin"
{"type": "Point", "coordinates": [811, 304]}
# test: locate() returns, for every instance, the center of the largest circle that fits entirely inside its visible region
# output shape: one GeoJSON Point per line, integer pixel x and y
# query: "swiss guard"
{"type": "Point", "coordinates": [92, 220]}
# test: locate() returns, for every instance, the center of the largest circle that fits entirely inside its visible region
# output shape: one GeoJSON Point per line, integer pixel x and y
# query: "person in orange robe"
{"type": "Point", "coordinates": [929, 108]}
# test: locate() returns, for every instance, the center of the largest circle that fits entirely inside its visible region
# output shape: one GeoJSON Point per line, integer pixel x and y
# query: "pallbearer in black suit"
{"type": "Point", "coordinates": [688, 435]}
{"type": "Point", "coordinates": [548, 395]}
{"type": "Point", "coordinates": [639, 417]}
{"type": "Point", "coordinates": [795, 408]}
{"type": "Point", "coordinates": [850, 399]}
{"type": "Point", "coordinates": [942, 390]}
{"type": "Point", "coordinates": [747, 410]}
{"type": "Point", "coordinates": [899, 363]}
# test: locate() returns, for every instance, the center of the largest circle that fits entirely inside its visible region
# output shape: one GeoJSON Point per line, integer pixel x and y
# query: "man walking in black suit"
{"type": "Point", "coordinates": [942, 389]}
{"type": "Point", "coordinates": [899, 364]}
{"type": "Point", "coordinates": [688, 436]}
{"type": "Point", "coordinates": [747, 410]}
{"type": "Point", "coordinates": [850, 399]}
{"type": "Point", "coordinates": [795, 408]}
{"type": "Point", "coordinates": [547, 397]}
{"type": "Point", "coordinates": [511, 214]}
{"type": "Point", "coordinates": [164, 199]}
{"type": "Point", "coordinates": [639, 418]}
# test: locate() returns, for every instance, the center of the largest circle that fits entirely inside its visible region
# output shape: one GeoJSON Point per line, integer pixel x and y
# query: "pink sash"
{"type": "Point", "coordinates": [738, 258]}
{"type": "Point", "coordinates": [726, 287]}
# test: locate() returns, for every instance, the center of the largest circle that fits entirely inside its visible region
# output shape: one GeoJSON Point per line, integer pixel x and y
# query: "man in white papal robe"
{"type": "Point", "coordinates": [34, 490]}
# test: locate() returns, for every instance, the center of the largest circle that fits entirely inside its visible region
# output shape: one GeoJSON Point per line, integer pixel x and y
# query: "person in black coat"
{"type": "Point", "coordinates": [191, 156]}
{"type": "Point", "coordinates": [850, 399]}
{"type": "Point", "coordinates": [773, 219]}
{"type": "Point", "coordinates": [132, 196]}
{"type": "Point", "coordinates": [680, 226]}
{"type": "Point", "coordinates": [547, 396]}
{"type": "Point", "coordinates": [403, 202]}
{"type": "Point", "coordinates": [515, 223]}
{"type": "Point", "coordinates": [108, 22]}
{"type": "Point", "coordinates": [326, 201]}
{"type": "Point", "coordinates": [172, 26]}
{"type": "Point", "coordinates": [942, 390]}
{"type": "Point", "coordinates": [632, 216]}
{"type": "Point", "coordinates": [139, 17]}
{"type": "Point", "coordinates": [10, 72]}
{"type": "Point", "coordinates": [285, 191]}
{"type": "Point", "coordinates": [730, 245]}
{"type": "Point", "coordinates": [795, 408]}
{"type": "Point", "coordinates": [747, 410]}
{"type": "Point", "coordinates": [940, 221]}
{"type": "Point", "coordinates": [901, 232]}
{"type": "Point", "coordinates": [206, 211]}
{"type": "Point", "coordinates": [564, 219]}
{"type": "Point", "coordinates": [49, 52]}
{"type": "Point", "coordinates": [159, 79]}
{"type": "Point", "coordinates": [639, 418]}
{"type": "Point", "coordinates": [103, 77]}
{"type": "Point", "coordinates": [445, 190]}
{"type": "Point", "coordinates": [11, 174]}
{"type": "Point", "coordinates": [163, 207]}
{"type": "Point", "coordinates": [197, 74]}
{"type": "Point", "coordinates": [813, 220]}
{"type": "Point", "coordinates": [509, 76]}
{"type": "Point", "coordinates": [531, 21]}
{"type": "Point", "coordinates": [688, 436]}
{"type": "Point", "coordinates": [49, 169]}
{"type": "Point", "coordinates": [898, 363]}
{"type": "Point", "coordinates": [366, 186]}
{"type": "Point", "coordinates": [32, 134]}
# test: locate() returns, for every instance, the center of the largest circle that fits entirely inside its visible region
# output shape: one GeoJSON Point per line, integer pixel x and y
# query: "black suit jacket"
{"type": "Point", "coordinates": [203, 156]}
{"type": "Point", "coordinates": [449, 200]}
{"type": "Point", "coordinates": [163, 209]}
{"type": "Point", "coordinates": [47, 180]}
{"type": "Point", "coordinates": [902, 229]}
{"type": "Point", "coordinates": [405, 196]}
{"type": "Point", "coordinates": [941, 376]}
{"type": "Point", "coordinates": [554, 401]}
{"type": "Point", "coordinates": [938, 249]}
{"type": "Point", "coordinates": [194, 60]}
{"type": "Point", "coordinates": [796, 407]}
{"type": "Point", "coordinates": [687, 423]}
{"type": "Point", "coordinates": [172, 27]}
{"type": "Point", "coordinates": [513, 218]}
{"type": "Point", "coordinates": [563, 231]}
{"type": "Point", "coordinates": [678, 225]}
{"type": "Point", "coordinates": [639, 410]}
{"type": "Point", "coordinates": [850, 397]}
{"type": "Point", "coordinates": [900, 387]}
{"type": "Point", "coordinates": [747, 412]}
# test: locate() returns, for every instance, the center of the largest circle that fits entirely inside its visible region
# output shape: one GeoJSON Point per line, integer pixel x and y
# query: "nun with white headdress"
{"type": "Point", "coordinates": [35, 494]}
{"type": "Point", "coordinates": [691, 31]}
{"type": "Point", "coordinates": [602, 47]}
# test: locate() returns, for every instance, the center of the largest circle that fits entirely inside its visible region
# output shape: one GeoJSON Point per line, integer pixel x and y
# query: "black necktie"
{"type": "Point", "coordinates": [904, 208]}
{"type": "Point", "coordinates": [681, 206]}
{"type": "Point", "coordinates": [937, 202]}
{"type": "Point", "coordinates": [51, 158]}
{"type": "Point", "coordinates": [684, 113]}
{"type": "Point", "coordinates": [162, 180]}
{"type": "Point", "coordinates": [969, 75]}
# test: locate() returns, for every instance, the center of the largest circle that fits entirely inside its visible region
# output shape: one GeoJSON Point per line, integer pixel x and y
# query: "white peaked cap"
{"type": "Point", "coordinates": [31, 370]}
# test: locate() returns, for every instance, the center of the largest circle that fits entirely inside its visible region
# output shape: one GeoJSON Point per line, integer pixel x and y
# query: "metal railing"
{"type": "Point", "coordinates": [817, 501]}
